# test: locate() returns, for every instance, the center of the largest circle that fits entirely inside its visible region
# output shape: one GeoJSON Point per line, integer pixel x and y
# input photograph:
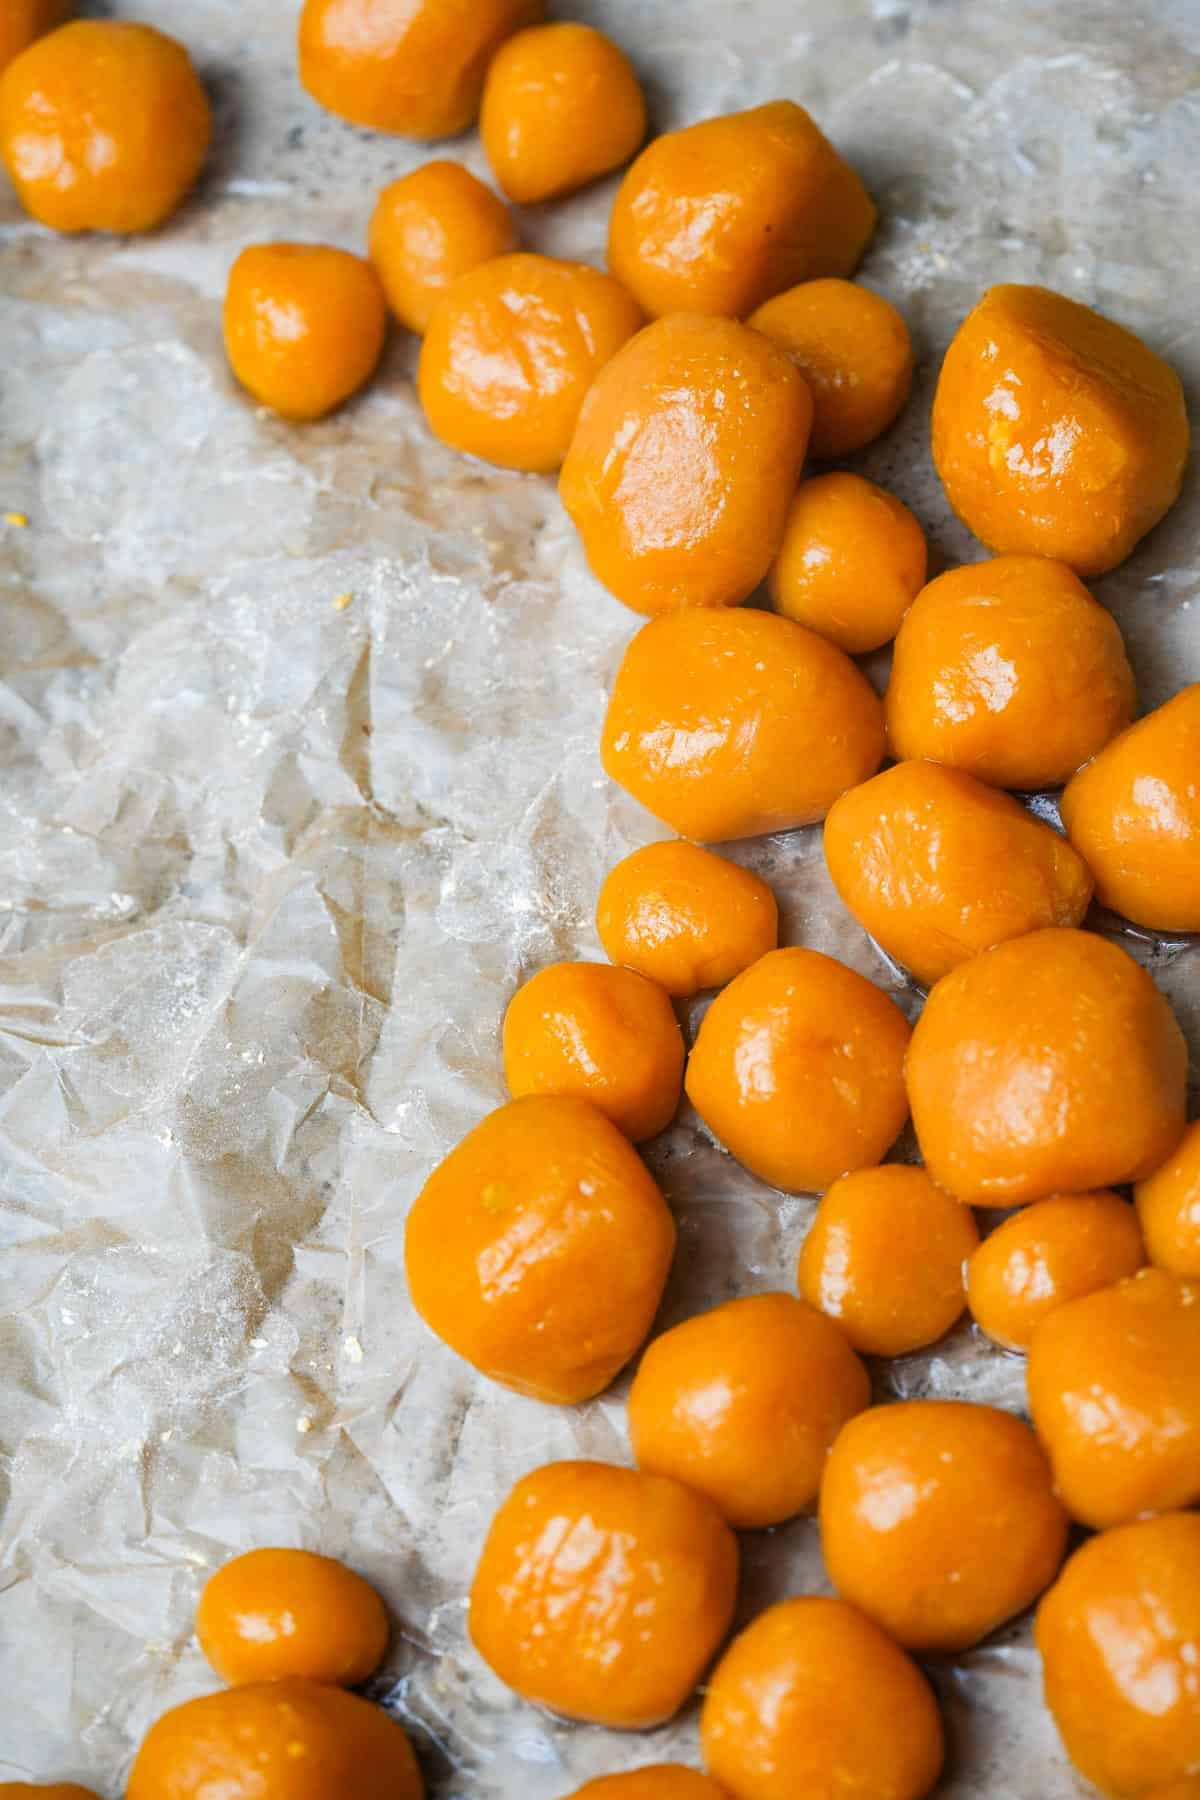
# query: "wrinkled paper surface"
{"type": "Point", "coordinates": [270, 868]}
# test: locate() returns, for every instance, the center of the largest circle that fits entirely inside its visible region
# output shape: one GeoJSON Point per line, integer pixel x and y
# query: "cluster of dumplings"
{"type": "Point", "coordinates": [681, 395]}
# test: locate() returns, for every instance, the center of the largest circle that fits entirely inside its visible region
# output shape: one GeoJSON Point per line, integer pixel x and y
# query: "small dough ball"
{"type": "Point", "coordinates": [279, 1613]}
{"type": "Point", "coordinates": [70, 1790]}
{"type": "Point", "coordinates": [104, 126]}
{"type": "Point", "coordinates": [885, 1257]}
{"type": "Point", "coordinates": [1047, 1254]}
{"type": "Point", "coordinates": [304, 326]}
{"type": "Point", "coordinates": [1134, 816]}
{"type": "Point", "coordinates": [1056, 432]}
{"type": "Point", "coordinates": [851, 563]}
{"type": "Point", "coordinates": [938, 1519]}
{"type": "Point", "coordinates": [539, 1248]}
{"type": "Point", "coordinates": [1049, 1065]}
{"type": "Point", "coordinates": [1117, 1635]}
{"type": "Point", "coordinates": [511, 351]}
{"type": "Point", "coordinates": [813, 1699]}
{"type": "Point", "coordinates": [416, 69]}
{"type": "Point", "coordinates": [853, 349]}
{"type": "Point", "coordinates": [1010, 670]}
{"type": "Point", "coordinates": [602, 1593]}
{"type": "Point", "coordinates": [733, 723]}
{"type": "Point", "coordinates": [684, 917]}
{"type": "Point", "coordinates": [1114, 1391]}
{"type": "Point", "coordinates": [719, 216]}
{"type": "Point", "coordinates": [798, 1069]}
{"type": "Point", "coordinates": [937, 867]}
{"type": "Point", "coordinates": [278, 1740]}
{"type": "Point", "coordinates": [21, 21]}
{"type": "Point", "coordinates": [742, 1403]}
{"type": "Point", "coordinates": [429, 228]}
{"type": "Point", "coordinates": [605, 1035]}
{"type": "Point", "coordinates": [1168, 1204]}
{"type": "Point", "coordinates": [561, 106]}
{"type": "Point", "coordinates": [657, 1781]}
{"type": "Point", "coordinates": [683, 464]}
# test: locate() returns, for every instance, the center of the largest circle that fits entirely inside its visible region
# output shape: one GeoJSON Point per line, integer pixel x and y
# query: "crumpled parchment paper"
{"type": "Point", "coordinates": [270, 868]}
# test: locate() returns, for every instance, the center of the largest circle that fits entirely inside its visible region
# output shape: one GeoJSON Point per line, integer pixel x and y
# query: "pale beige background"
{"type": "Point", "coordinates": [269, 870]}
